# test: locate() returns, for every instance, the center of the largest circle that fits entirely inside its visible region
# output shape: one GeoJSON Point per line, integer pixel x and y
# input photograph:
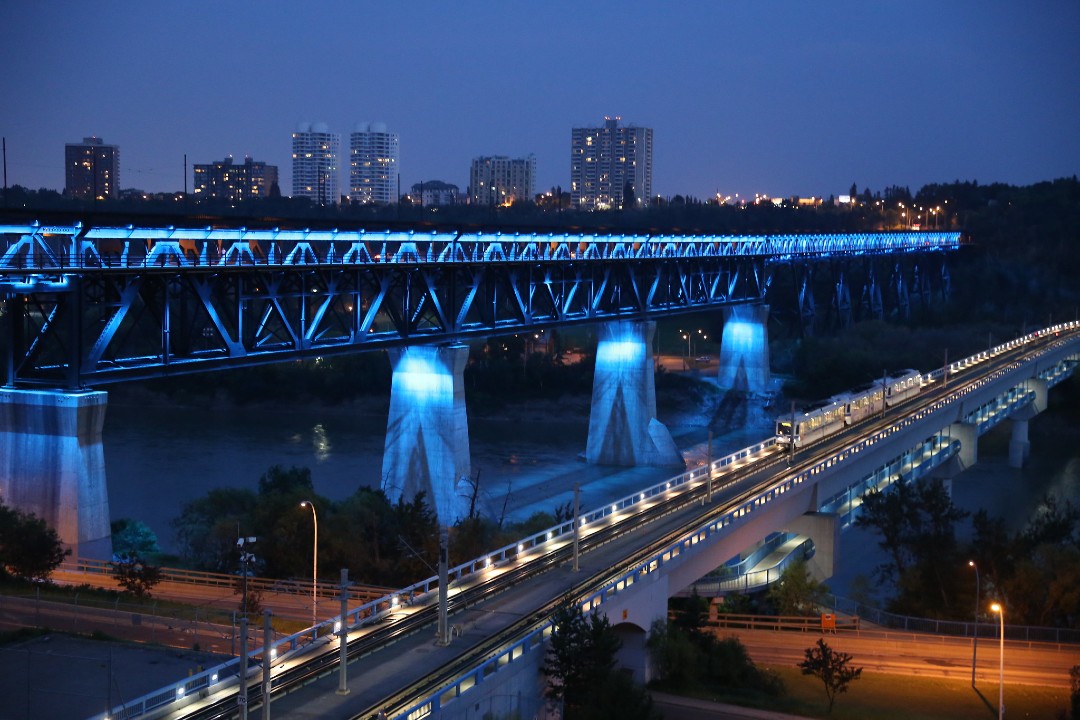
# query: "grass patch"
{"type": "Point", "coordinates": [901, 697]}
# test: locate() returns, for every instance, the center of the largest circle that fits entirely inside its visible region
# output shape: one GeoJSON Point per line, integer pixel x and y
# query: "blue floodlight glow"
{"type": "Point", "coordinates": [744, 336]}
{"type": "Point", "coordinates": [617, 352]}
{"type": "Point", "coordinates": [419, 376]}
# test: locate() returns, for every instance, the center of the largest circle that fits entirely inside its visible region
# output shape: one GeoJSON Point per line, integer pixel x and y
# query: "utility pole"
{"type": "Point", "coordinates": [577, 524]}
{"type": "Point", "coordinates": [343, 636]}
{"type": "Point", "coordinates": [242, 697]}
{"type": "Point", "coordinates": [268, 639]}
{"type": "Point", "coordinates": [245, 558]}
{"type": "Point", "coordinates": [791, 456]}
{"type": "Point", "coordinates": [443, 637]}
{"type": "Point", "coordinates": [708, 466]}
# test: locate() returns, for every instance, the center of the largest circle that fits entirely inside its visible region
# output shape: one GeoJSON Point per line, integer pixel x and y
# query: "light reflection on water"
{"type": "Point", "coordinates": [157, 459]}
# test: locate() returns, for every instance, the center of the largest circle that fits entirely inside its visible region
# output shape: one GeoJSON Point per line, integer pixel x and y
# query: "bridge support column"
{"type": "Point", "coordinates": [968, 435]}
{"type": "Point", "coordinates": [1019, 446]}
{"type": "Point", "coordinates": [744, 349]}
{"type": "Point", "coordinates": [427, 433]}
{"type": "Point", "coordinates": [623, 429]}
{"type": "Point", "coordinates": [824, 530]}
{"type": "Point", "coordinates": [52, 464]}
{"type": "Point", "coordinates": [632, 616]}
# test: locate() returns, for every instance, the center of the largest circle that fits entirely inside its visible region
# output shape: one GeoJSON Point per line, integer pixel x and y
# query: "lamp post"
{"type": "Point", "coordinates": [996, 607]}
{"type": "Point", "coordinates": [975, 634]}
{"type": "Point", "coordinates": [314, 563]}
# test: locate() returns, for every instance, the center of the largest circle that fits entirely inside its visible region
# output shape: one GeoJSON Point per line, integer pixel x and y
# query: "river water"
{"type": "Point", "coordinates": [160, 457]}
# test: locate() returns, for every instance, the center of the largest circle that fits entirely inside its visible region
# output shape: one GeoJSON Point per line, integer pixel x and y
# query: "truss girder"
{"type": "Point", "coordinates": [151, 301]}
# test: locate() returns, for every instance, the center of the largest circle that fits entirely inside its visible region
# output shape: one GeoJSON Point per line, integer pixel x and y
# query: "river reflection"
{"type": "Point", "coordinates": [159, 458]}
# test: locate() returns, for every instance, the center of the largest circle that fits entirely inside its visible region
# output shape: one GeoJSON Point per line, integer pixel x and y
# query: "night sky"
{"type": "Point", "coordinates": [784, 98]}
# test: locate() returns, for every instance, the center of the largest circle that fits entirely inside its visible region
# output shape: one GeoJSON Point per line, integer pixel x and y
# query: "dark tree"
{"type": "Point", "coordinates": [629, 198]}
{"type": "Point", "coordinates": [833, 669]}
{"type": "Point", "coordinates": [29, 548]}
{"type": "Point", "coordinates": [206, 529]}
{"type": "Point", "coordinates": [797, 593]}
{"type": "Point", "coordinates": [135, 575]}
{"type": "Point", "coordinates": [133, 537]}
{"type": "Point", "coordinates": [581, 656]}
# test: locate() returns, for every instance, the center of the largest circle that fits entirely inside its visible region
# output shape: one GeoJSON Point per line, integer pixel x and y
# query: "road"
{"type": "Point", "coordinates": [905, 653]}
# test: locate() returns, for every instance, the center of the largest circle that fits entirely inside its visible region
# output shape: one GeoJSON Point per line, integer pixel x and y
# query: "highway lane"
{"type": "Point", "coordinates": [1026, 663]}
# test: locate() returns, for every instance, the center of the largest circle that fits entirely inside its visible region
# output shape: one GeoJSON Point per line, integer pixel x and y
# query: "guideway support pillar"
{"type": "Point", "coordinates": [824, 530]}
{"type": "Point", "coordinates": [744, 349]}
{"type": "Point", "coordinates": [1019, 445]}
{"type": "Point", "coordinates": [427, 433]}
{"type": "Point", "coordinates": [52, 464]}
{"type": "Point", "coordinates": [623, 429]}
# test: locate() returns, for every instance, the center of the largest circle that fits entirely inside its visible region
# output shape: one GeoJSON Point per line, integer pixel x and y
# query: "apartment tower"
{"type": "Point", "coordinates": [92, 169]}
{"type": "Point", "coordinates": [608, 162]}
{"type": "Point", "coordinates": [373, 164]}
{"type": "Point", "coordinates": [315, 167]}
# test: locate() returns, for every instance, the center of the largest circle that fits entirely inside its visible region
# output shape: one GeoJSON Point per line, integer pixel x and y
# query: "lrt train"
{"type": "Point", "coordinates": [824, 418]}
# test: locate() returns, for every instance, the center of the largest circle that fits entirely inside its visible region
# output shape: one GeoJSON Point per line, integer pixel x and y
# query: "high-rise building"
{"type": "Point", "coordinates": [500, 180]}
{"type": "Point", "coordinates": [224, 180]}
{"type": "Point", "coordinates": [92, 169]}
{"type": "Point", "coordinates": [373, 164]}
{"type": "Point", "coordinates": [609, 162]}
{"type": "Point", "coordinates": [315, 165]}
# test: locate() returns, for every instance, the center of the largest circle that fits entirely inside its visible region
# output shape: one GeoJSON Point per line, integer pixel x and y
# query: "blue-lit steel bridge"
{"type": "Point", "coordinates": [92, 305]}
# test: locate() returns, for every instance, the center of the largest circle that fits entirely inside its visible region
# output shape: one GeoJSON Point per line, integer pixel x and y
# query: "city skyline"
{"type": "Point", "coordinates": [786, 99]}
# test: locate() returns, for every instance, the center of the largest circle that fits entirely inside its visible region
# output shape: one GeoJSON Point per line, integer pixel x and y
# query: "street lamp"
{"type": "Point", "coordinates": [996, 607]}
{"type": "Point", "coordinates": [314, 563]}
{"type": "Point", "coordinates": [975, 634]}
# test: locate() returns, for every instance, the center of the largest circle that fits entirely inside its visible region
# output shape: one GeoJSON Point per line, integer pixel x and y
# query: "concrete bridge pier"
{"type": "Point", "coordinates": [623, 429]}
{"type": "Point", "coordinates": [1019, 445]}
{"type": "Point", "coordinates": [52, 464]}
{"type": "Point", "coordinates": [824, 530]}
{"type": "Point", "coordinates": [968, 435]}
{"type": "Point", "coordinates": [427, 432]}
{"type": "Point", "coordinates": [744, 349]}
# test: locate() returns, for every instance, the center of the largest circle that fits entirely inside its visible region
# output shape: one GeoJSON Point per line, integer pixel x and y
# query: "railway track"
{"type": "Point", "coordinates": [728, 491]}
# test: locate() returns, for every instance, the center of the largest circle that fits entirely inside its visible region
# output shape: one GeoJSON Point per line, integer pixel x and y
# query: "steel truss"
{"type": "Point", "coordinates": [86, 306]}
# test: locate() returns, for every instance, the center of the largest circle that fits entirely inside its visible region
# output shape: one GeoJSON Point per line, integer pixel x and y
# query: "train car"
{"type": "Point", "coordinates": [814, 422]}
{"type": "Point", "coordinates": [822, 419]}
{"type": "Point", "coordinates": [902, 385]}
{"type": "Point", "coordinates": [862, 402]}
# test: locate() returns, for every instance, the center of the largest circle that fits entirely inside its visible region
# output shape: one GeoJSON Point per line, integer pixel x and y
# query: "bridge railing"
{"type": "Point", "coordinates": [885, 619]}
{"type": "Point", "coordinates": [104, 568]}
{"type": "Point", "coordinates": [627, 579]}
{"type": "Point", "coordinates": [381, 609]}
{"type": "Point", "coordinates": [70, 248]}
